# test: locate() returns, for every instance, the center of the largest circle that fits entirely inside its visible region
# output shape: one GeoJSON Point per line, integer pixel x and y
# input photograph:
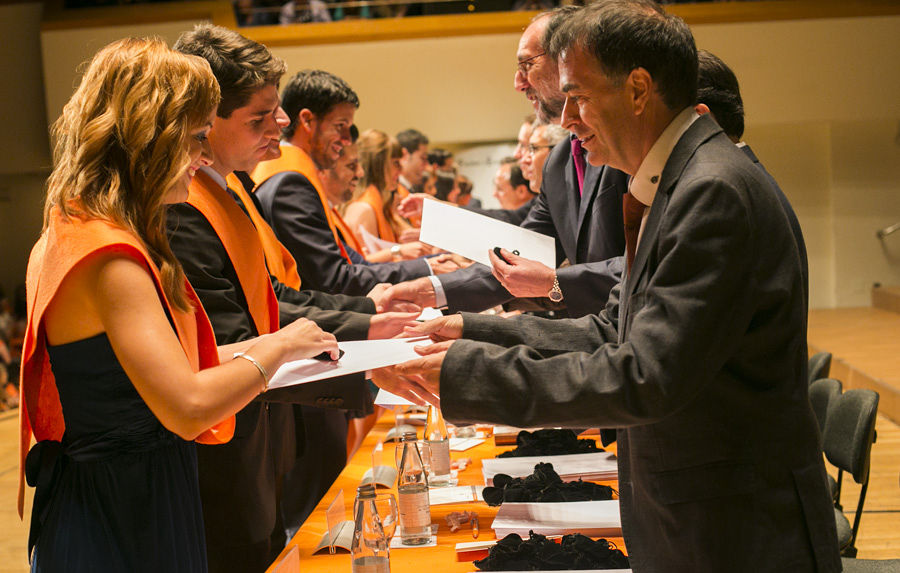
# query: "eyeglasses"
{"type": "Point", "coordinates": [525, 65]}
{"type": "Point", "coordinates": [532, 149]}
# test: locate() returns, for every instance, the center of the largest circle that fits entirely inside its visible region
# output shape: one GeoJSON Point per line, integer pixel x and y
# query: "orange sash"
{"type": "Point", "coordinates": [295, 159]}
{"type": "Point", "coordinates": [243, 246]}
{"type": "Point", "coordinates": [279, 260]}
{"type": "Point", "coordinates": [344, 228]}
{"type": "Point", "coordinates": [61, 247]}
{"type": "Point", "coordinates": [373, 198]}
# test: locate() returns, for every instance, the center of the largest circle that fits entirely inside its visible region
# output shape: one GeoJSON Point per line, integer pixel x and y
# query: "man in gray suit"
{"type": "Point", "coordinates": [699, 359]}
{"type": "Point", "coordinates": [579, 205]}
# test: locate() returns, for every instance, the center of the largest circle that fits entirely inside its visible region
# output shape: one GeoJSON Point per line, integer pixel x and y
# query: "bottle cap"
{"type": "Point", "coordinates": [366, 491]}
{"type": "Point", "coordinates": [410, 437]}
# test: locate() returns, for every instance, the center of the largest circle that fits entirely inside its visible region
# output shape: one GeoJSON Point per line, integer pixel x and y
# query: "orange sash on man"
{"type": "Point", "coordinates": [295, 159]}
{"type": "Point", "coordinates": [61, 247]}
{"type": "Point", "coordinates": [279, 260]}
{"type": "Point", "coordinates": [373, 198]}
{"type": "Point", "coordinates": [243, 246]}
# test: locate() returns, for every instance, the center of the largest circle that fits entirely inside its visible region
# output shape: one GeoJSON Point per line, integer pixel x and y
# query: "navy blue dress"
{"type": "Point", "coordinates": [121, 492]}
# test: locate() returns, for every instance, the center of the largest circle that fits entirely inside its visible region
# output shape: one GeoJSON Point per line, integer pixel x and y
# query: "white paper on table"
{"type": "Point", "coordinates": [570, 467]}
{"type": "Point", "coordinates": [463, 444]}
{"type": "Point", "coordinates": [591, 518]}
{"type": "Point", "coordinates": [472, 235]}
{"type": "Point", "coordinates": [359, 356]}
{"type": "Point", "coordinates": [372, 243]}
{"type": "Point", "coordinates": [457, 494]}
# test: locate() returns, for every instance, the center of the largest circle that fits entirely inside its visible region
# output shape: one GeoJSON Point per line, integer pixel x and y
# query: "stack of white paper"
{"type": "Point", "coordinates": [570, 467]}
{"type": "Point", "coordinates": [591, 518]}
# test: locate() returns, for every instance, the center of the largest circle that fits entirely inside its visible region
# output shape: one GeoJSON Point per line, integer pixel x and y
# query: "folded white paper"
{"type": "Point", "coordinates": [359, 356]}
{"type": "Point", "coordinates": [570, 467]}
{"type": "Point", "coordinates": [387, 400]}
{"type": "Point", "coordinates": [472, 235]}
{"type": "Point", "coordinates": [591, 518]}
{"type": "Point", "coordinates": [463, 444]}
{"type": "Point", "coordinates": [371, 242]}
{"type": "Point", "coordinates": [429, 313]}
{"type": "Point", "coordinates": [457, 494]}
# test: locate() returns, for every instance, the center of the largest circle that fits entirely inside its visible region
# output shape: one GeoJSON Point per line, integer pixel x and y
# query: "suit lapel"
{"type": "Point", "coordinates": [699, 132]}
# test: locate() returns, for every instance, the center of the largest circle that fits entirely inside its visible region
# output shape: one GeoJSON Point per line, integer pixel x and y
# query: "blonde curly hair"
{"type": "Point", "coordinates": [121, 143]}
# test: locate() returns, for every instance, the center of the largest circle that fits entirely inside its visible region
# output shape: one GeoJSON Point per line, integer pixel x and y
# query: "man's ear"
{"type": "Point", "coordinates": [640, 85]}
{"type": "Point", "coordinates": [702, 109]}
{"type": "Point", "coordinates": [306, 119]}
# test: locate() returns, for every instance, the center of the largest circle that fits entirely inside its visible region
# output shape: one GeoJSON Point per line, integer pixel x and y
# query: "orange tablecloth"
{"type": "Point", "coordinates": [441, 558]}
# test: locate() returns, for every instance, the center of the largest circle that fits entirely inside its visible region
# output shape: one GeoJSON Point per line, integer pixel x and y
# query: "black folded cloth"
{"type": "Point", "coordinates": [575, 551]}
{"type": "Point", "coordinates": [550, 443]}
{"type": "Point", "coordinates": [543, 485]}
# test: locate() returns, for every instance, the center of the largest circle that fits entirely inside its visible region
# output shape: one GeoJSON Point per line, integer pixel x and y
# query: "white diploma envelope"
{"type": "Point", "coordinates": [359, 356]}
{"type": "Point", "coordinates": [472, 235]}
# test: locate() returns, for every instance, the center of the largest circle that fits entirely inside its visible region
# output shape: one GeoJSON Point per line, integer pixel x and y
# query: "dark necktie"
{"type": "Point", "coordinates": [633, 212]}
{"type": "Point", "coordinates": [578, 158]}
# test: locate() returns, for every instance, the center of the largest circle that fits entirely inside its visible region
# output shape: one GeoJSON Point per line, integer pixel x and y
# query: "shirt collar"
{"type": "Point", "coordinates": [405, 182]}
{"type": "Point", "coordinates": [645, 182]}
{"type": "Point", "coordinates": [214, 175]}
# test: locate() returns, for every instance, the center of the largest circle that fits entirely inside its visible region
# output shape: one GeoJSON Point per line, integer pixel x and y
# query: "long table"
{"type": "Point", "coordinates": [298, 555]}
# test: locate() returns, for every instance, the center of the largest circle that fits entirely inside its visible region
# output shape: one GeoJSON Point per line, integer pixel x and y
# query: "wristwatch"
{"type": "Point", "coordinates": [395, 252]}
{"type": "Point", "coordinates": [555, 293]}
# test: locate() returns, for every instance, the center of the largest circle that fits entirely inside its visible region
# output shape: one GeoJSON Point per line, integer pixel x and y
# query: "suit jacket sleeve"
{"type": "Point", "coordinates": [292, 207]}
{"type": "Point", "coordinates": [679, 326]}
{"type": "Point", "coordinates": [586, 286]}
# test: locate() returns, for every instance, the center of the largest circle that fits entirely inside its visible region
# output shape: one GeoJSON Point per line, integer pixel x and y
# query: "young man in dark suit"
{"type": "Point", "coordinates": [215, 238]}
{"type": "Point", "coordinates": [320, 107]}
{"type": "Point", "coordinates": [699, 359]}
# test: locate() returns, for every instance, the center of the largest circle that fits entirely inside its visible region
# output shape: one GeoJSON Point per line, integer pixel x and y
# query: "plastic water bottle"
{"type": "Point", "coordinates": [412, 494]}
{"type": "Point", "coordinates": [369, 551]}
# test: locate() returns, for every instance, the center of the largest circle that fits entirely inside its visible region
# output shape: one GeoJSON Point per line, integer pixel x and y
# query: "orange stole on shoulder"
{"type": "Point", "coordinates": [295, 159]}
{"type": "Point", "coordinates": [61, 247]}
{"type": "Point", "coordinates": [279, 260]}
{"type": "Point", "coordinates": [372, 197]}
{"type": "Point", "coordinates": [243, 246]}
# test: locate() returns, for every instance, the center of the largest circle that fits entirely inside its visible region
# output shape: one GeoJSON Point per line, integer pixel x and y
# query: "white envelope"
{"type": "Point", "coordinates": [472, 235]}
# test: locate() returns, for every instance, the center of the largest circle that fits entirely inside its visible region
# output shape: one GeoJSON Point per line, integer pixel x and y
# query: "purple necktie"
{"type": "Point", "coordinates": [578, 157]}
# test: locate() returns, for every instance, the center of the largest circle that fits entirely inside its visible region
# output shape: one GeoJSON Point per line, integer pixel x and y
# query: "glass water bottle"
{"type": "Point", "coordinates": [439, 447]}
{"type": "Point", "coordinates": [412, 494]}
{"type": "Point", "coordinates": [369, 551]}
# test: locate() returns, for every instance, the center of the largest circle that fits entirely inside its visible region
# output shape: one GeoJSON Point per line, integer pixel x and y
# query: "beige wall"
{"type": "Point", "coordinates": [821, 101]}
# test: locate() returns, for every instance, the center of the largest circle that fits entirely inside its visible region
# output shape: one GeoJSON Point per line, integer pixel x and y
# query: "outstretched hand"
{"type": "Point", "coordinates": [438, 329]}
{"type": "Point", "coordinates": [384, 303]}
{"type": "Point", "coordinates": [416, 380]}
{"type": "Point", "coordinates": [520, 276]}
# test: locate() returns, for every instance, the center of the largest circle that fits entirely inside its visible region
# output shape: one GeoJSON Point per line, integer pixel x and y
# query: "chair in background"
{"type": "Point", "coordinates": [819, 366]}
{"type": "Point", "coordinates": [822, 393]}
{"type": "Point", "coordinates": [849, 435]}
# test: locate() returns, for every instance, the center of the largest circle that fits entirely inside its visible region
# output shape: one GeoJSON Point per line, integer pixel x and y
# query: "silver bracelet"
{"type": "Point", "coordinates": [255, 362]}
